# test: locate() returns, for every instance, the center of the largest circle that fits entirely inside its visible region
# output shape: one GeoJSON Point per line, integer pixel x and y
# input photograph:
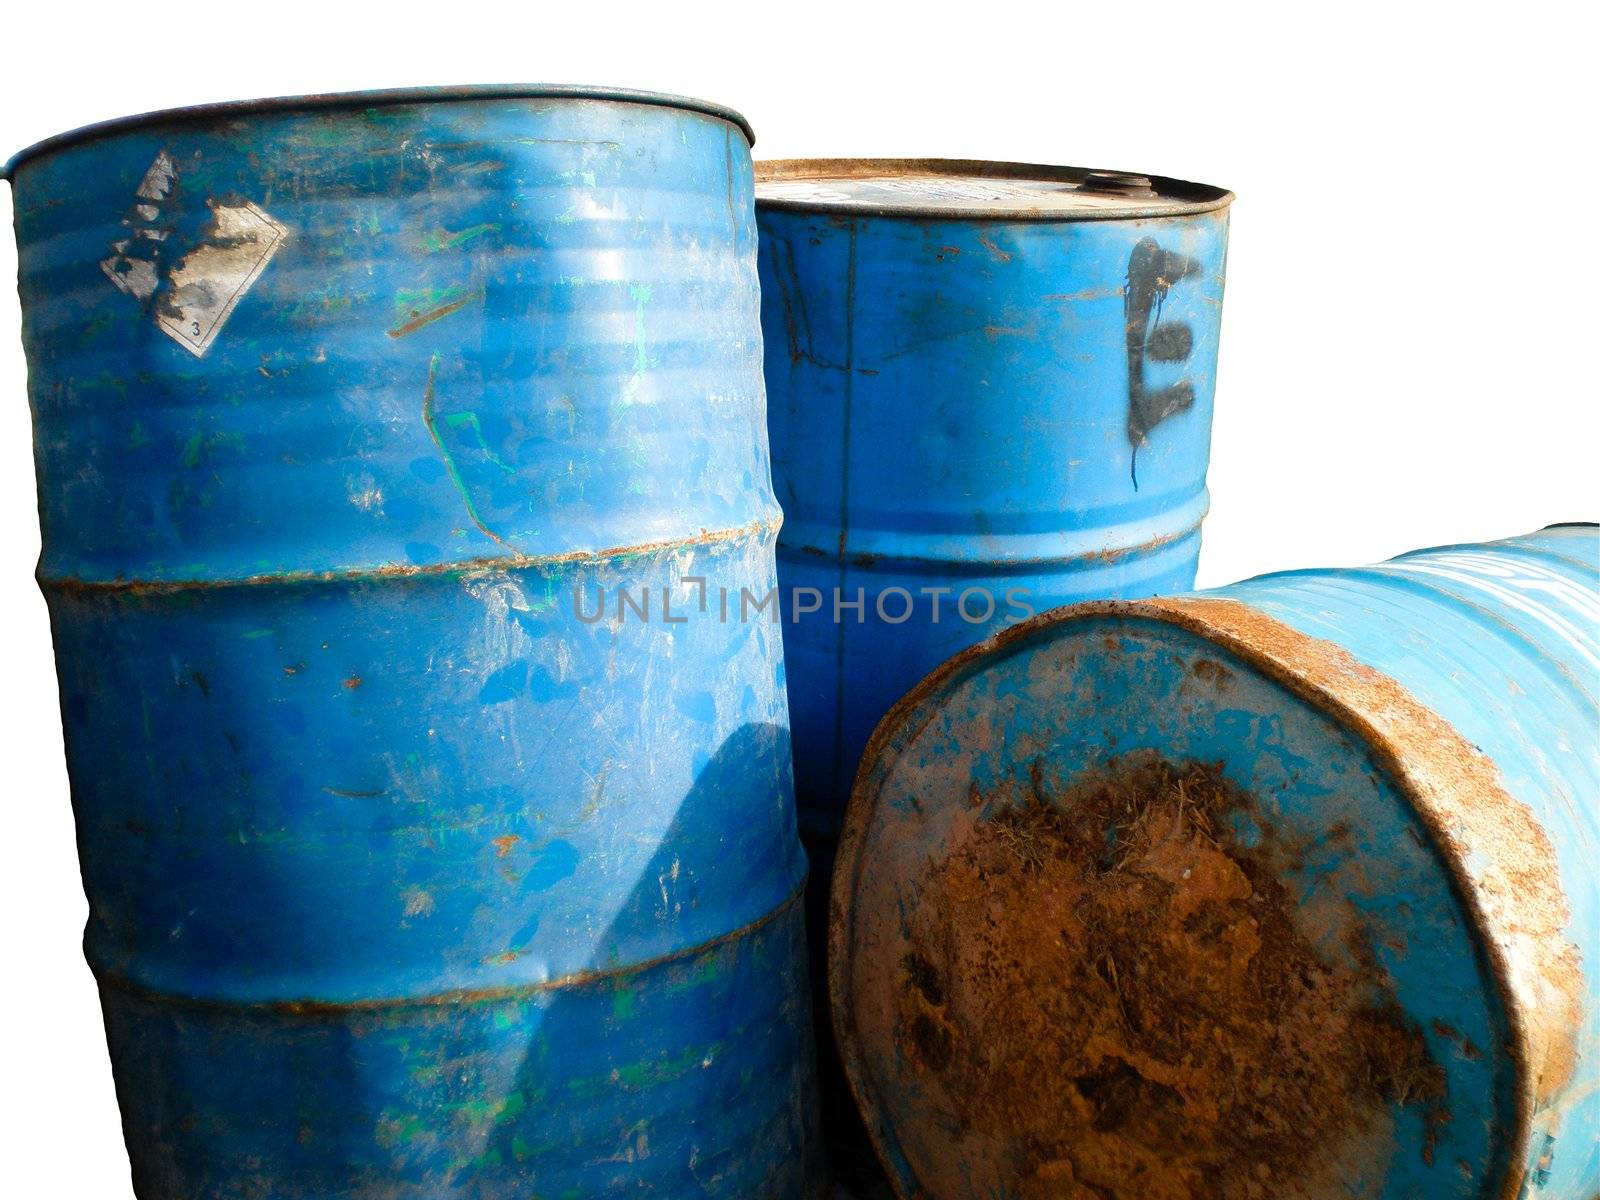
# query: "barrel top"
{"type": "Point", "coordinates": [975, 188]}
{"type": "Point", "coordinates": [234, 109]}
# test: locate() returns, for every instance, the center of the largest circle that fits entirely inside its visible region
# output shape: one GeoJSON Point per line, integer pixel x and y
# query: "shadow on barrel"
{"type": "Point", "coordinates": [686, 1075]}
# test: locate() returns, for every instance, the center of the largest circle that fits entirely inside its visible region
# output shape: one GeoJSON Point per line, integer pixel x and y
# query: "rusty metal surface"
{"type": "Point", "coordinates": [377, 98]}
{"type": "Point", "coordinates": [1440, 711]}
{"type": "Point", "coordinates": [928, 188]}
{"type": "Point", "coordinates": [408, 876]}
{"type": "Point", "coordinates": [767, 528]}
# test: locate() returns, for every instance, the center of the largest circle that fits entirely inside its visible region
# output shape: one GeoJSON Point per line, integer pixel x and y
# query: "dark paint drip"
{"type": "Point", "coordinates": [1151, 273]}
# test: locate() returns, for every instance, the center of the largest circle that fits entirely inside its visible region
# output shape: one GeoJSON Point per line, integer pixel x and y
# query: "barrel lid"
{"type": "Point", "coordinates": [372, 99]}
{"type": "Point", "coordinates": [959, 187]}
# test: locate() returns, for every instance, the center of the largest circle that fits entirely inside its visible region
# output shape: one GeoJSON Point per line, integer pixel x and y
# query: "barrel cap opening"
{"type": "Point", "coordinates": [236, 109]}
{"type": "Point", "coordinates": [975, 188]}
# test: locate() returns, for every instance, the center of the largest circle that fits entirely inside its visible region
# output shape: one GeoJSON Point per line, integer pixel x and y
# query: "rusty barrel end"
{"type": "Point", "coordinates": [1137, 896]}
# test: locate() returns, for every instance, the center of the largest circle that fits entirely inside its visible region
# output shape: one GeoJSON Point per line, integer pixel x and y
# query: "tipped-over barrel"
{"type": "Point", "coordinates": [1282, 890]}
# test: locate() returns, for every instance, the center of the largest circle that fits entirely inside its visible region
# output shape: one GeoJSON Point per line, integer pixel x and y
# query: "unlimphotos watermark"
{"type": "Point", "coordinates": [892, 605]}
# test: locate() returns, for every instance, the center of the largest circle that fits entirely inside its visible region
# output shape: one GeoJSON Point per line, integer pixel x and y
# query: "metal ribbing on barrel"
{"type": "Point", "coordinates": [350, 417]}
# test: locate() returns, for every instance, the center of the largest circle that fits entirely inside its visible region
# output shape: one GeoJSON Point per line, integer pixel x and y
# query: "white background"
{"type": "Point", "coordinates": [1409, 339]}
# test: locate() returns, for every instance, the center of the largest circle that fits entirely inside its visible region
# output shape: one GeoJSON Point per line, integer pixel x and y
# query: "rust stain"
{"type": "Point", "coordinates": [504, 562]}
{"type": "Point", "coordinates": [1116, 553]}
{"type": "Point", "coordinates": [989, 245]}
{"type": "Point", "coordinates": [338, 102]}
{"type": "Point", "coordinates": [502, 845]}
{"type": "Point", "coordinates": [424, 319]}
{"type": "Point", "coordinates": [1085, 295]}
{"type": "Point", "coordinates": [459, 996]}
{"type": "Point", "coordinates": [1110, 554]}
{"type": "Point", "coordinates": [1165, 197]}
{"type": "Point", "coordinates": [1189, 973]}
{"type": "Point", "coordinates": [352, 683]}
{"type": "Point", "coordinates": [1213, 672]}
{"type": "Point", "coordinates": [1514, 895]}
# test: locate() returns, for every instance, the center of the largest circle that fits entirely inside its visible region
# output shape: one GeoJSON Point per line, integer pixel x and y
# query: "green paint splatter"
{"type": "Point", "coordinates": [202, 447]}
{"type": "Point", "coordinates": [469, 420]}
{"type": "Point", "coordinates": [393, 1130]}
{"type": "Point", "coordinates": [641, 297]}
{"type": "Point", "coordinates": [330, 134]}
{"type": "Point", "coordinates": [324, 305]}
{"type": "Point", "coordinates": [105, 380]}
{"type": "Point", "coordinates": [641, 358]}
{"type": "Point", "coordinates": [703, 972]}
{"type": "Point", "coordinates": [449, 460]}
{"type": "Point", "coordinates": [623, 1002]}
{"type": "Point", "coordinates": [444, 239]}
{"type": "Point", "coordinates": [92, 331]}
{"type": "Point", "coordinates": [512, 1107]}
{"type": "Point", "coordinates": [407, 300]}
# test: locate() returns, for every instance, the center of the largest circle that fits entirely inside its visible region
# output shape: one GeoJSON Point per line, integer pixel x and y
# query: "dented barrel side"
{"type": "Point", "coordinates": [972, 420]}
{"type": "Point", "coordinates": [420, 863]}
{"type": "Point", "coordinates": [1417, 742]}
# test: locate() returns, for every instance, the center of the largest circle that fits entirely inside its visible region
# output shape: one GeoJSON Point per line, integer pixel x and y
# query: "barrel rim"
{"type": "Point", "coordinates": [375, 98]}
{"type": "Point", "coordinates": [1175, 197]}
{"type": "Point", "coordinates": [1184, 612]}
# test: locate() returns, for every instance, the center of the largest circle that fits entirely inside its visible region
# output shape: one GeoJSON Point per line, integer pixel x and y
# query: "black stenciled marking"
{"type": "Point", "coordinates": [1151, 273]}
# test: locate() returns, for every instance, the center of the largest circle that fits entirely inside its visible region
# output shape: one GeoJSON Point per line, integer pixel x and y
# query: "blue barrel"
{"type": "Point", "coordinates": [990, 390]}
{"type": "Point", "coordinates": [437, 841]}
{"type": "Point", "coordinates": [1379, 806]}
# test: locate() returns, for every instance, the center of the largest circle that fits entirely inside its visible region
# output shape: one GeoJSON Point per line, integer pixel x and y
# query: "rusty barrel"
{"type": "Point", "coordinates": [1284, 889]}
{"type": "Point", "coordinates": [436, 843]}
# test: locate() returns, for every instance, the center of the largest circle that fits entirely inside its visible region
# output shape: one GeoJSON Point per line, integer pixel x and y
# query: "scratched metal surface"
{"type": "Point", "coordinates": [980, 376]}
{"type": "Point", "coordinates": [1430, 726]}
{"type": "Point", "coordinates": [405, 878]}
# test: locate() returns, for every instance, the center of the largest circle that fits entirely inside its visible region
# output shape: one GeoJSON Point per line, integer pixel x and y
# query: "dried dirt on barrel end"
{"type": "Point", "coordinates": [1116, 991]}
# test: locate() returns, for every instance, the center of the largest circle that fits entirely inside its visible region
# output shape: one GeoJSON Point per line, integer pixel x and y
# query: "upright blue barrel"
{"type": "Point", "coordinates": [436, 842]}
{"type": "Point", "coordinates": [990, 390]}
{"type": "Point", "coordinates": [1416, 750]}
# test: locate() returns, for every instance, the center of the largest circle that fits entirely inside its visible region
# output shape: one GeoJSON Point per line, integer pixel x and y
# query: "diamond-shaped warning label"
{"type": "Point", "coordinates": [193, 298]}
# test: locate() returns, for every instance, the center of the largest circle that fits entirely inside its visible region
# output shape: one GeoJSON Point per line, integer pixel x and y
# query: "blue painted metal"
{"type": "Point", "coordinates": [407, 877]}
{"type": "Point", "coordinates": [1443, 709]}
{"type": "Point", "coordinates": [980, 376]}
